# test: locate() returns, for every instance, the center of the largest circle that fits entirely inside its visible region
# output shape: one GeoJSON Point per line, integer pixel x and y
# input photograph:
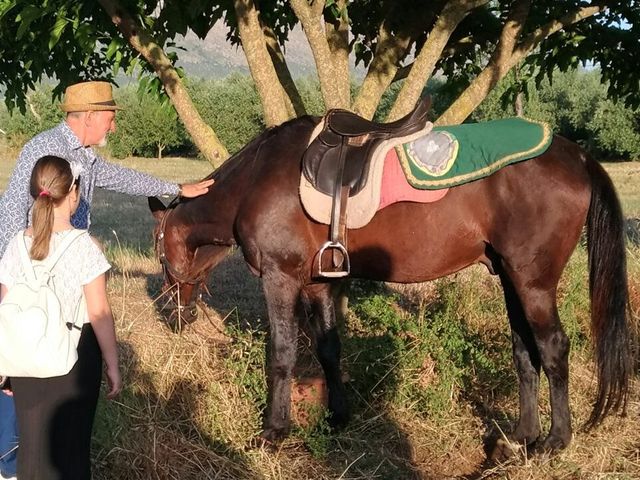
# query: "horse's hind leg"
{"type": "Point", "coordinates": [527, 361]}
{"type": "Point", "coordinates": [323, 321]}
{"type": "Point", "coordinates": [282, 294]}
{"type": "Point", "coordinates": [537, 296]}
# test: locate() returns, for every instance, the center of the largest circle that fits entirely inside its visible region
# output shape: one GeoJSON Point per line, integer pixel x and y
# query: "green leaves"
{"type": "Point", "coordinates": [25, 18]}
{"type": "Point", "coordinates": [57, 30]}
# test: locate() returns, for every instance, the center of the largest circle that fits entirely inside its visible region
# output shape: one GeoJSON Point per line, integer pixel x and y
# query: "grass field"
{"type": "Point", "coordinates": [429, 366]}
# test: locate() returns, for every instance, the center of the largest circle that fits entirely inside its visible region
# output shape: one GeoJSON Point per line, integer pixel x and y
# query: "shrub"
{"type": "Point", "coordinates": [43, 113]}
{"type": "Point", "coordinates": [231, 106]}
{"type": "Point", "coordinates": [146, 127]}
{"type": "Point", "coordinates": [575, 104]}
{"type": "Point", "coordinates": [421, 359]}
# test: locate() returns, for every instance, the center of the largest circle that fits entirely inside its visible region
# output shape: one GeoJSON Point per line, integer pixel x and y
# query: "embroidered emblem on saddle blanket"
{"type": "Point", "coordinates": [386, 184]}
{"type": "Point", "coordinates": [453, 155]}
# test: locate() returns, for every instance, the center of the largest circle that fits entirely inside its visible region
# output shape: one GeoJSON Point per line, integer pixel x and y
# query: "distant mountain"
{"type": "Point", "coordinates": [215, 57]}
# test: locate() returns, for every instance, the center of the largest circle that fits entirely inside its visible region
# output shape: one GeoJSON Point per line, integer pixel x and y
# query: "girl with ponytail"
{"type": "Point", "coordinates": [53, 189]}
{"type": "Point", "coordinates": [55, 415]}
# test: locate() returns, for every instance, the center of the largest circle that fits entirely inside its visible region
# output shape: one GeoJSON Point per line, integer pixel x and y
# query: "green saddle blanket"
{"type": "Point", "coordinates": [450, 156]}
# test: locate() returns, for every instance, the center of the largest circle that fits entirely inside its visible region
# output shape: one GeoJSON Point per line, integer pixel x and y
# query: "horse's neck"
{"type": "Point", "coordinates": [210, 218]}
{"type": "Point", "coordinates": [206, 225]}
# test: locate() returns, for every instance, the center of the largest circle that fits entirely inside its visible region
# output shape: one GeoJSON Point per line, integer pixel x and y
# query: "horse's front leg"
{"type": "Point", "coordinates": [321, 300]}
{"type": "Point", "coordinates": [282, 295]}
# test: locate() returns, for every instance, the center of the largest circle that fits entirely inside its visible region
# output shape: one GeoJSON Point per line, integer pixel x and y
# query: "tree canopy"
{"type": "Point", "coordinates": [472, 43]}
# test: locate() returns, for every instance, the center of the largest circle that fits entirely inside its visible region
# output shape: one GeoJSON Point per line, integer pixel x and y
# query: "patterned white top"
{"type": "Point", "coordinates": [80, 264]}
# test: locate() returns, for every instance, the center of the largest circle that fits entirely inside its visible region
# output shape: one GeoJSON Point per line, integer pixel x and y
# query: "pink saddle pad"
{"type": "Point", "coordinates": [395, 187]}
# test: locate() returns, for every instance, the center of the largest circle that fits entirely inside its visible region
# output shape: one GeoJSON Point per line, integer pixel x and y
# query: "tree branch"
{"type": "Point", "coordinates": [536, 37]}
{"type": "Point", "coordinates": [202, 134]}
{"type": "Point", "coordinates": [507, 55]}
{"type": "Point", "coordinates": [390, 50]}
{"type": "Point", "coordinates": [295, 105]}
{"type": "Point", "coordinates": [452, 14]}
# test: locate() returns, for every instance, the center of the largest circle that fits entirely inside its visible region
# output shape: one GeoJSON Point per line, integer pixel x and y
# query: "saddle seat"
{"type": "Point", "coordinates": [337, 163]}
{"type": "Point", "coordinates": [348, 124]}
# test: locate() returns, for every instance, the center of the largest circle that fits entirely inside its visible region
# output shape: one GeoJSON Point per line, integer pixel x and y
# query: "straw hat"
{"type": "Point", "coordinates": [88, 96]}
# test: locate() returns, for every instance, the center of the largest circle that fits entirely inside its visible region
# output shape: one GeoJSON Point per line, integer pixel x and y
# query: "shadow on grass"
{"type": "Point", "coordinates": [145, 435]}
{"type": "Point", "coordinates": [373, 445]}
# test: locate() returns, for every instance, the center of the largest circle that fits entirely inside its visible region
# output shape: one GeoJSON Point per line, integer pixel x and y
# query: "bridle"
{"type": "Point", "coordinates": [169, 271]}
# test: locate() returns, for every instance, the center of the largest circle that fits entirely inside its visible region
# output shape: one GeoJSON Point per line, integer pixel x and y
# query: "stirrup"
{"type": "Point", "coordinates": [331, 246]}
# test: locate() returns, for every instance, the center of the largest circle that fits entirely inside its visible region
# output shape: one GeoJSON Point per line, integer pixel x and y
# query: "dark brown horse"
{"type": "Point", "coordinates": [522, 222]}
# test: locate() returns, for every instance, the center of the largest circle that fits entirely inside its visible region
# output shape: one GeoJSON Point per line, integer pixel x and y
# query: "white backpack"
{"type": "Point", "coordinates": [35, 339]}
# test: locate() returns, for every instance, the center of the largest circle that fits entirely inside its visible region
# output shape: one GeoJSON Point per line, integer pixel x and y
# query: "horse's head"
{"type": "Point", "coordinates": [181, 285]}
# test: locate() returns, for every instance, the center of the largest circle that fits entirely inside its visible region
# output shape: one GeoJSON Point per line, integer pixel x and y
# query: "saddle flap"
{"type": "Point", "coordinates": [320, 160]}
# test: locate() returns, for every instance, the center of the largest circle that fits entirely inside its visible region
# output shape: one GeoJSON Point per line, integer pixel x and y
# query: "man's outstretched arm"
{"type": "Point", "coordinates": [129, 181]}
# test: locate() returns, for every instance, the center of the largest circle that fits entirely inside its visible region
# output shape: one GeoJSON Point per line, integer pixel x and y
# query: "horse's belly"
{"type": "Point", "coordinates": [412, 244]}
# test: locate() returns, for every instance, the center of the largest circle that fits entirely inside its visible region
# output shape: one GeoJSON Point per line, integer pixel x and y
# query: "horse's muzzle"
{"type": "Point", "coordinates": [177, 316]}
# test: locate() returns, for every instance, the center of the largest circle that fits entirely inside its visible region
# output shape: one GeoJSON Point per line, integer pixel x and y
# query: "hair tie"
{"type": "Point", "coordinates": [44, 193]}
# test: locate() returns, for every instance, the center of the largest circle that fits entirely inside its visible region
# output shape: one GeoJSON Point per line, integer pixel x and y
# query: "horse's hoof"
{"type": "Point", "coordinates": [270, 439]}
{"type": "Point", "coordinates": [504, 450]}
{"type": "Point", "coordinates": [260, 443]}
{"type": "Point", "coordinates": [551, 445]}
{"type": "Point", "coordinates": [338, 420]}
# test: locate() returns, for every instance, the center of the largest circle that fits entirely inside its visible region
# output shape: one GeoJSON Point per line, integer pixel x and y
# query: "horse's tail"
{"type": "Point", "coordinates": [610, 311]}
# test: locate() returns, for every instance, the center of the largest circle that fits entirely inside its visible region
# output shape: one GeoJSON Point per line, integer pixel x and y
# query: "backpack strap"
{"type": "Point", "coordinates": [68, 239]}
{"type": "Point", "coordinates": [52, 259]}
{"type": "Point", "coordinates": [27, 265]}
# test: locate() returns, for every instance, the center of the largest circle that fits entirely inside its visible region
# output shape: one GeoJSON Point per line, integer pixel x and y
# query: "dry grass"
{"type": "Point", "coordinates": [625, 177]}
{"type": "Point", "coordinates": [192, 402]}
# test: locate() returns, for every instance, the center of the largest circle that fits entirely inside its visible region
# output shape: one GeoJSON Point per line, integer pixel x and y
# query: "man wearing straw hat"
{"type": "Point", "coordinates": [91, 112]}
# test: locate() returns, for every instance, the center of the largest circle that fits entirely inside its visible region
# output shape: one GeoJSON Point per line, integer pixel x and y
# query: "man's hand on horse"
{"type": "Point", "coordinates": [191, 190]}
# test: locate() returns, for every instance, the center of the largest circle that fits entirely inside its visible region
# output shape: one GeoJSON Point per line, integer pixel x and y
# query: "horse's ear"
{"type": "Point", "coordinates": [157, 207]}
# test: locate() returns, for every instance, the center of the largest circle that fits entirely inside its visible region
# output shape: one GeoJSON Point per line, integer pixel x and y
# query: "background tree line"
{"type": "Point", "coordinates": [575, 103]}
{"type": "Point", "coordinates": [400, 43]}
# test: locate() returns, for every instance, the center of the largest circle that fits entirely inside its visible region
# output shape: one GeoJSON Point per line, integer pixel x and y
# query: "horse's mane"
{"type": "Point", "coordinates": [249, 153]}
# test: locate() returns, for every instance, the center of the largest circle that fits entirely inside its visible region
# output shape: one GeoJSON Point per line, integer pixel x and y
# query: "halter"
{"type": "Point", "coordinates": [168, 269]}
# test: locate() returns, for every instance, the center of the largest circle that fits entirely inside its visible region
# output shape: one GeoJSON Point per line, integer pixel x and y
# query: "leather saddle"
{"type": "Point", "coordinates": [340, 154]}
{"type": "Point", "coordinates": [337, 162]}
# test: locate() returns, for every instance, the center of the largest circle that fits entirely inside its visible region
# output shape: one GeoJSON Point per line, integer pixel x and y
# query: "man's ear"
{"type": "Point", "coordinates": [157, 207]}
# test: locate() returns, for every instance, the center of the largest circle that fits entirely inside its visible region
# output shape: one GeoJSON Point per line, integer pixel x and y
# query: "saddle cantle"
{"type": "Point", "coordinates": [347, 142]}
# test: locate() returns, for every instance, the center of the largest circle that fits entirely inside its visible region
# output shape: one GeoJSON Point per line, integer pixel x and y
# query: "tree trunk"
{"type": "Point", "coordinates": [202, 134]}
{"type": "Point", "coordinates": [310, 17]}
{"type": "Point", "coordinates": [262, 70]}
{"type": "Point", "coordinates": [35, 113]}
{"type": "Point", "coordinates": [452, 14]}
{"type": "Point", "coordinates": [338, 41]}
{"type": "Point", "coordinates": [518, 105]}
